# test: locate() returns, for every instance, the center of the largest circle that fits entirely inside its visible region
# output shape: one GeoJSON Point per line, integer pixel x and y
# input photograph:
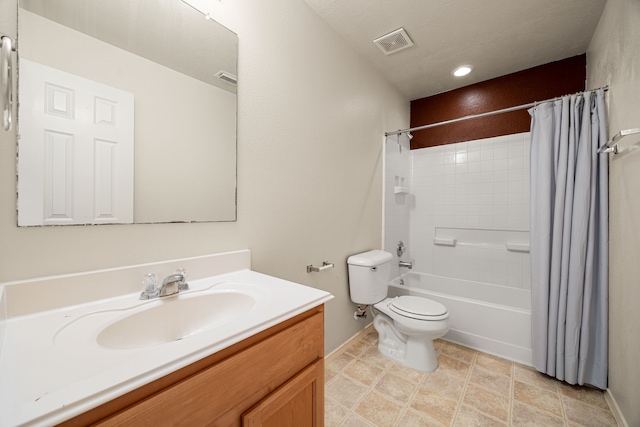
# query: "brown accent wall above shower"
{"type": "Point", "coordinates": [524, 87]}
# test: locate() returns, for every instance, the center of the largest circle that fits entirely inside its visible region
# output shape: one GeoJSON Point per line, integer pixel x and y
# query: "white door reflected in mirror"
{"type": "Point", "coordinates": [75, 164]}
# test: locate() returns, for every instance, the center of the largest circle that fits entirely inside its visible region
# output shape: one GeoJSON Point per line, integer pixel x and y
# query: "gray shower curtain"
{"type": "Point", "coordinates": [569, 239]}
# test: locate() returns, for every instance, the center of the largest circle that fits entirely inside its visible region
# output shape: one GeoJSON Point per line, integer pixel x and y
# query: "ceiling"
{"type": "Point", "coordinates": [496, 37]}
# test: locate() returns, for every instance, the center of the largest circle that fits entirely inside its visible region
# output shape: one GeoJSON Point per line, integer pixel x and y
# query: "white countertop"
{"type": "Point", "coordinates": [47, 377]}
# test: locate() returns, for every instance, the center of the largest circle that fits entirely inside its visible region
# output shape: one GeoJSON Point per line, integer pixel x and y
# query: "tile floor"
{"type": "Point", "coordinates": [469, 388]}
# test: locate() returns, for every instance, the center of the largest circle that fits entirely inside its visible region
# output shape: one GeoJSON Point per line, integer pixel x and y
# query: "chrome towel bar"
{"type": "Point", "coordinates": [613, 146]}
{"type": "Point", "coordinates": [6, 80]}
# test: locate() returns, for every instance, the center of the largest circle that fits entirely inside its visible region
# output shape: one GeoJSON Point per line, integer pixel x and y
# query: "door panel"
{"type": "Point", "coordinates": [75, 164]}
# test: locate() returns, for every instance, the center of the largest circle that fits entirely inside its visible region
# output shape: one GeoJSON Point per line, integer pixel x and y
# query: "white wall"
{"type": "Point", "coordinates": [312, 117]}
{"type": "Point", "coordinates": [613, 59]}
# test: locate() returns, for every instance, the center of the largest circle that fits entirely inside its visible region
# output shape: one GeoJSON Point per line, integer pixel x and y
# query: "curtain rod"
{"type": "Point", "coordinates": [488, 113]}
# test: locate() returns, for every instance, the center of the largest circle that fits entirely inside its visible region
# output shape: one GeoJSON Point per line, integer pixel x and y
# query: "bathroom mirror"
{"type": "Point", "coordinates": [127, 113]}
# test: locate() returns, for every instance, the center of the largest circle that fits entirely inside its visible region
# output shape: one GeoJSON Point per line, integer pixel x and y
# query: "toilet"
{"type": "Point", "coordinates": [406, 325]}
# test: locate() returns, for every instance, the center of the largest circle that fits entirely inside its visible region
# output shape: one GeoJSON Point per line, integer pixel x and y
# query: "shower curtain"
{"type": "Point", "coordinates": [569, 239]}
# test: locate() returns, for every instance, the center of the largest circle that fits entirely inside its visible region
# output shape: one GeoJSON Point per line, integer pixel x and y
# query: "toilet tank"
{"type": "Point", "coordinates": [369, 276]}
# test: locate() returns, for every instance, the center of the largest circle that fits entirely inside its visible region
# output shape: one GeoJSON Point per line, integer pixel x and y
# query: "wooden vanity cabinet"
{"type": "Point", "coordinates": [275, 378]}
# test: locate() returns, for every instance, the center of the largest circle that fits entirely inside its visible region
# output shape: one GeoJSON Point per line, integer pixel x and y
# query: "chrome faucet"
{"type": "Point", "coordinates": [171, 285]}
{"type": "Point", "coordinates": [407, 264]}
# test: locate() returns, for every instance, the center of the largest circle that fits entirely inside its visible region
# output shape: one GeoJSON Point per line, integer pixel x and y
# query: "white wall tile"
{"type": "Point", "coordinates": [478, 184]}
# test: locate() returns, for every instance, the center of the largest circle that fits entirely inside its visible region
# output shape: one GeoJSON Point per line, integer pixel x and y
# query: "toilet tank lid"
{"type": "Point", "coordinates": [370, 258]}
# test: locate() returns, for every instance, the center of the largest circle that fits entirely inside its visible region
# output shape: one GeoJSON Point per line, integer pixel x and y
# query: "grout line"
{"type": "Point", "coordinates": [464, 388]}
{"type": "Point", "coordinates": [406, 406]}
{"type": "Point", "coordinates": [512, 392]}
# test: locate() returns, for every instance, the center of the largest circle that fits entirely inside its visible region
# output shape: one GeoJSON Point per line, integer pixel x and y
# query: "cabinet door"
{"type": "Point", "coordinates": [297, 403]}
{"type": "Point", "coordinates": [220, 394]}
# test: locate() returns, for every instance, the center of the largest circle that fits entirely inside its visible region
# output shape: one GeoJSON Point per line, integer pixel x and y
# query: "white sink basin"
{"type": "Point", "coordinates": [135, 324]}
{"type": "Point", "coordinates": [174, 319]}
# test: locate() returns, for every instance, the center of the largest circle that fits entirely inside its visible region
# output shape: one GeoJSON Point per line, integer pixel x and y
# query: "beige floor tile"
{"type": "Point", "coordinates": [494, 364]}
{"type": "Point", "coordinates": [491, 380]}
{"type": "Point", "coordinates": [470, 417]}
{"type": "Point", "coordinates": [412, 418]}
{"type": "Point", "coordinates": [333, 413]}
{"type": "Point", "coordinates": [357, 348]}
{"type": "Point", "coordinates": [329, 374]}
{"type": "Point", "coordinates": [355, 421]}
{"type": "Point", "coordinates": [396, 387]}
{"type": "Point", "coordinates": [528, 416]}
{"type": "Point", "coordinates": [408, 373]}
{"type": "Point", "coordinates": [454, 367]}
{"type": "Point", "coordinates": [371, 337]}
{"type": "Point", "coordinates": [438, 344]}
{"type": "Point", "coordinates": [587, 415]}
{"type": "Point", "coordinates": [379, 410]}
{"type": "Point", "coordinates": [373, 357]}
{"type": "Point", "coordinates": [531, 376]}
{"type": "Point", "coordinates": [538, 397]}
{"type": "Point", "coordinates": [363, 372]}
{"type": "Point", "coordinates": [488, 402]}
{"type": "Point", "coordinates": [589, 395]}
{"type": "Point", "coordinates": [345, 390]}
{"type": "Point", "coordinates": [338, 362]}
{"type": "Point", "coordinates": [459, 352]}
{"type": "Point", "coordinates": [437, 407]}
{"type": "Point", "coordinates": [444, 384]}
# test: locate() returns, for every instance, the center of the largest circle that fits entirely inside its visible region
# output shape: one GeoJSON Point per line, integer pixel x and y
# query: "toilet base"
{"type": "Point", "coordinates": [415, 352]}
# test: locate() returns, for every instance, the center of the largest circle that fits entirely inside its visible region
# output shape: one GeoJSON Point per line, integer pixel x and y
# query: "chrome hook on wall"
{"type": "Point", "coordinates": [6, 80]}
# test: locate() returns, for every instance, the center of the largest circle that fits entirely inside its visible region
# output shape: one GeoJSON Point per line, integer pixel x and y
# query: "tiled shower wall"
{"type": "Point", "coordinates": [482, 184]}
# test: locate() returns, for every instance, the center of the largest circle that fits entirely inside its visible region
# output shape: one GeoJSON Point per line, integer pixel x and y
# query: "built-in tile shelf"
{"type": "Point", "coordinates": [401, 190]}
{"type": "Point", "coordinates": [487, 238]}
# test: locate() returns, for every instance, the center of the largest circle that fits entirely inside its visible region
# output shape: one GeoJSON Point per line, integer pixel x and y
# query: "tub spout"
{"type": "Point", "coordinates": [406, 264]}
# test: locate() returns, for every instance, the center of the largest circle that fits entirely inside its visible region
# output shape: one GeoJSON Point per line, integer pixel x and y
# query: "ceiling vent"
{"type": "Point", "coordinates": [394, 41]}
{"type": "Point", "coordinates": [227, 77]}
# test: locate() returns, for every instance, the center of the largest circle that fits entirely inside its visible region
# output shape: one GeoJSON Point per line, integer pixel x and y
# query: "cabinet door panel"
{"type": "Point", "coordinates": [295, 404]}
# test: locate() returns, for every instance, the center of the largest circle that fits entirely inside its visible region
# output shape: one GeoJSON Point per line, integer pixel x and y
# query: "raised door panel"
{"type": "Point", "coordinates": [75, 161]}
{"type": "Point", "coordinates": [297, 403]}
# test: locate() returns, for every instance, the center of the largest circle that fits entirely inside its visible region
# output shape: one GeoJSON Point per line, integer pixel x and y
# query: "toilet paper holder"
{"type": "Point", "coordinates": [325, 266]}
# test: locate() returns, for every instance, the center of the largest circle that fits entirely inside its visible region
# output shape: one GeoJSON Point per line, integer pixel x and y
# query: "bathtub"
{"type": "Point", "coordinates": [491, 318]}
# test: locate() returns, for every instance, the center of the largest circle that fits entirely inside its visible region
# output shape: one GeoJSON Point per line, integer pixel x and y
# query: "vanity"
{"type": "Point", "coordinates": [239, 348]}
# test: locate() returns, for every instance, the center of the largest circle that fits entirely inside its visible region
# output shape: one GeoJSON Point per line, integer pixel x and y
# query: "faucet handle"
{"type": "Point", "coordinates": [149, 289]}
{"type": "Point", "coordinates": [149, 282]}
{"type": "Point", "coordinates": [183, 285]}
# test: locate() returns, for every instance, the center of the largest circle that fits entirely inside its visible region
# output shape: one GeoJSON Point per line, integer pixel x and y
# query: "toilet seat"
{"type": "Point", "coordinates": [418, 308]}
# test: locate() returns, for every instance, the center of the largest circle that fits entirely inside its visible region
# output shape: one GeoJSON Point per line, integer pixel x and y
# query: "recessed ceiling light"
{"type": "Point", "coordinates": [462, 71]}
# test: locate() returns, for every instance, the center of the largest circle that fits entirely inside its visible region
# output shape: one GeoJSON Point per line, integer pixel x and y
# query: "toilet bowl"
{"type": "Point", "coordinates": [407, 326]}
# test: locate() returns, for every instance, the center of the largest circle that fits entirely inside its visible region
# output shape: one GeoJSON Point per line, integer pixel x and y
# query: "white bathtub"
{"type": "Point", "coordinates": [490, 318]}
